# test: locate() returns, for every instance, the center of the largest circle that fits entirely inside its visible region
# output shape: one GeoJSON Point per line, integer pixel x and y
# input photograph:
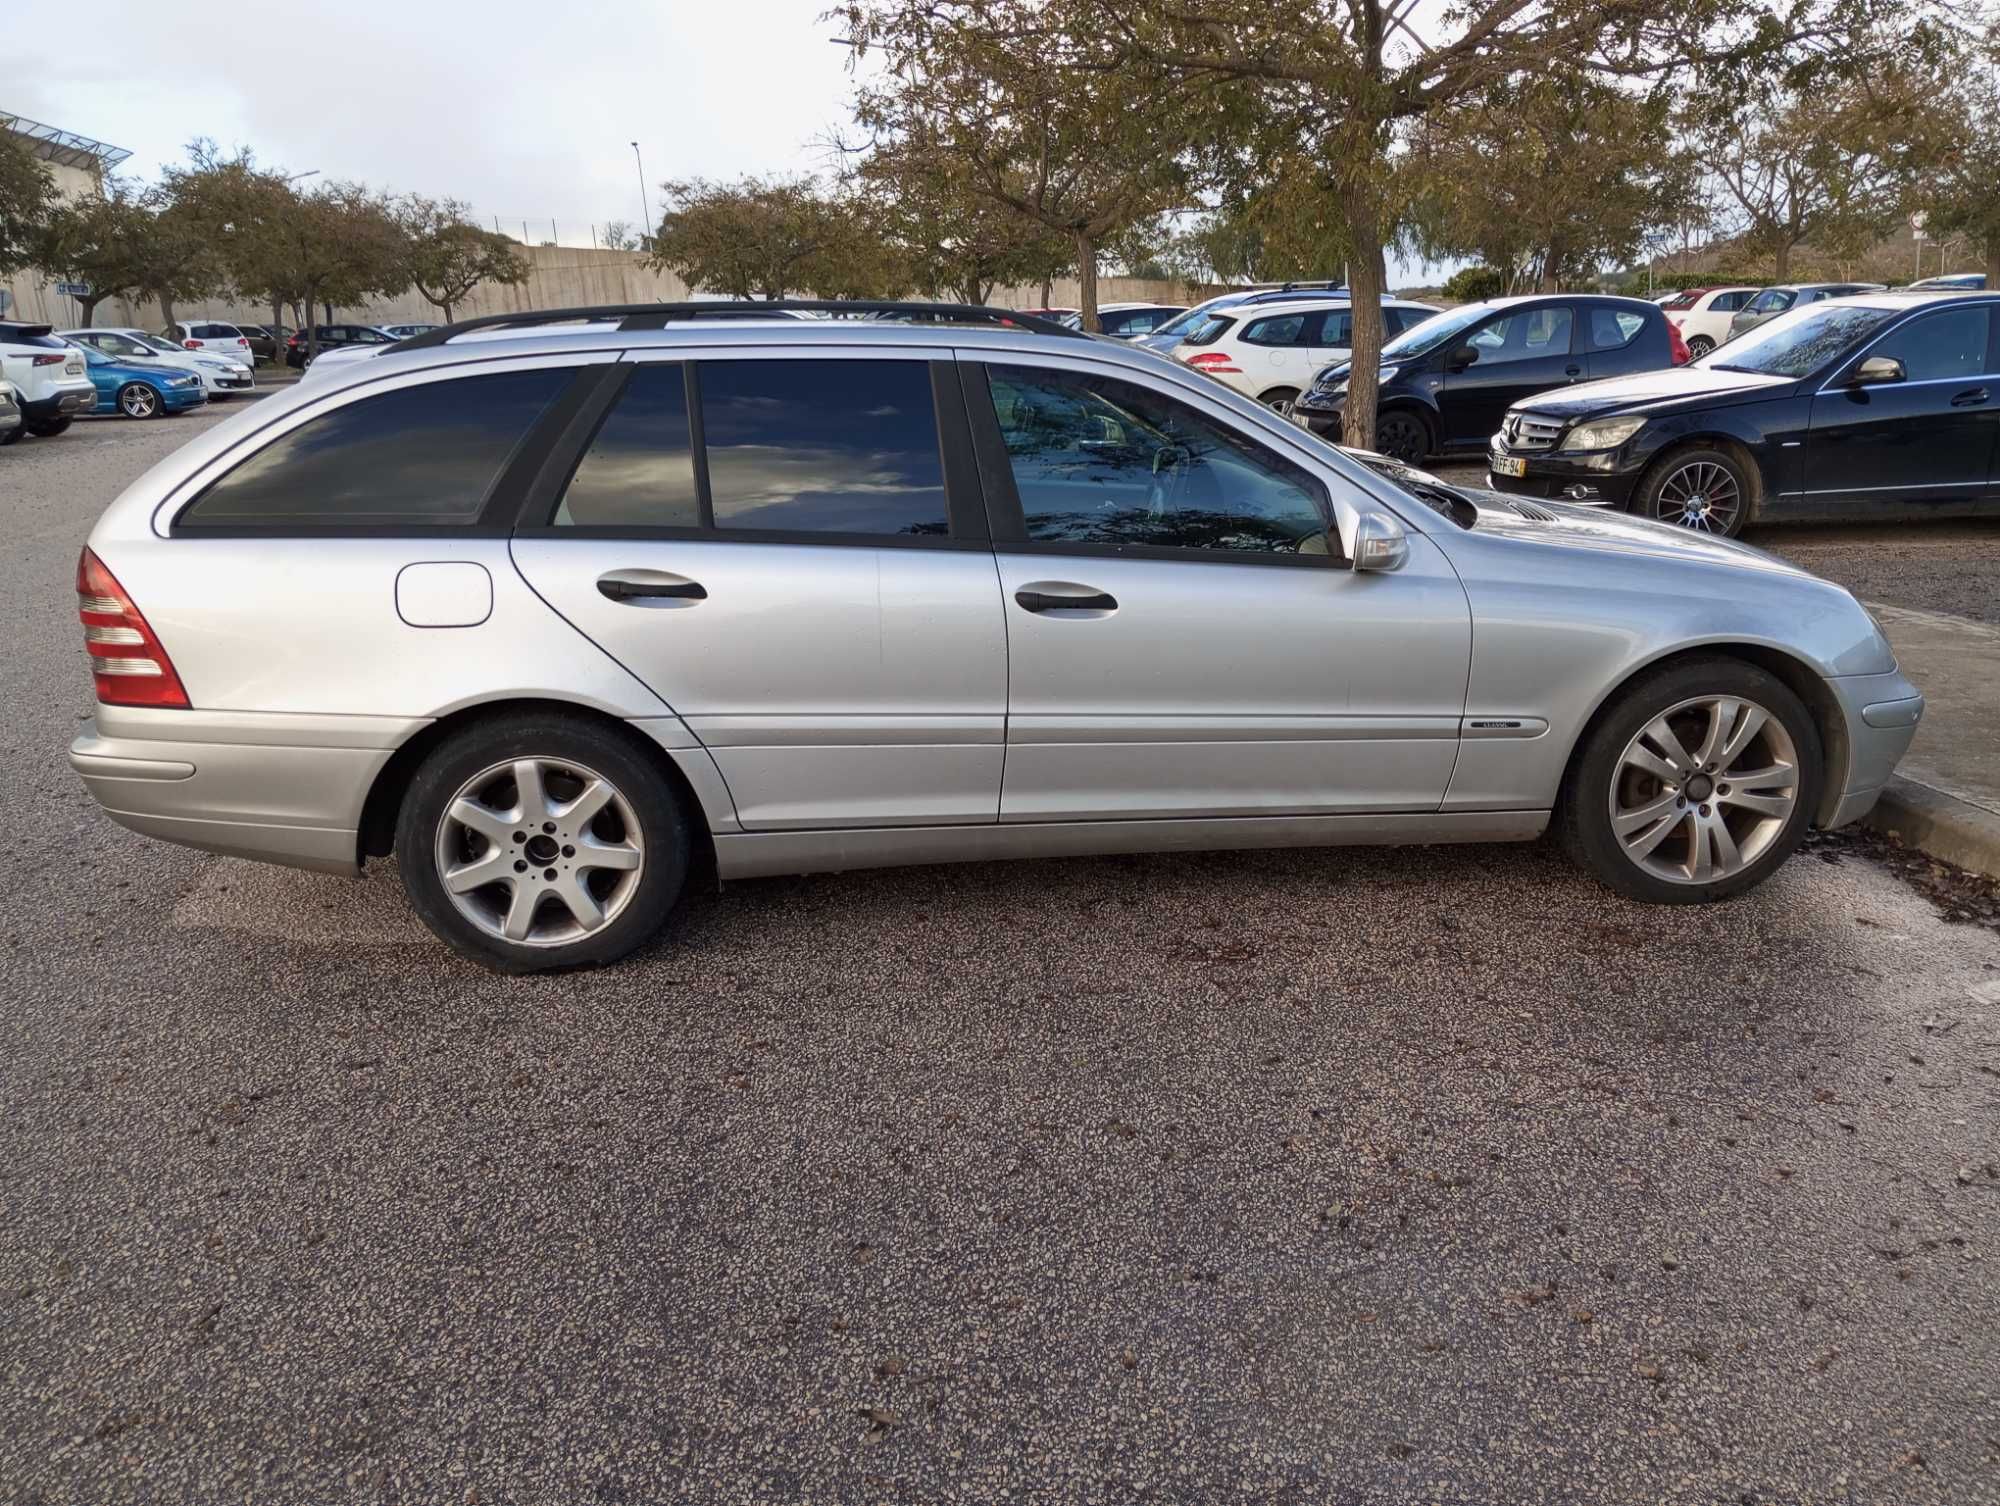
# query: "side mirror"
{"type": "Point", "coordinates": [1876, 370]}
{"type": "Point", "coordinates": [1463, 357]}
{"type": "Point", "coordinates": [1380, 543]}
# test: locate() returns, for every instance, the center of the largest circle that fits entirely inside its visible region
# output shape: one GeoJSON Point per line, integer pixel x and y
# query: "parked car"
{"type": "Point", "coordinates": [1006, 592]}
{"type": "Point", "coordinates": [1269, 351]}
{"type": "Point", "coordinates": [1886, 404]}
{"type": "Point", "coordinates": [1702, 315]}
{"type": "Point", "coordinates": [10, 415]}
{"type": "Point", "coordinates": [220, 375]}
{"type": "Point", "coordinates": [1774, 301]}
{"type": "Point", "coordinates": [1445, 383]}
{"type": "Point", "coordinates": [266, 340]}
{"type": "Point", "coordinates": [140, 389]}
{"type": "Point", "coordinates": [337, 358]}
{"type": "Point", "coordinates": [48, 376]}
{"type": "Point", "coordinates": [404, 331]}
{"type": "Point", "coordinates": [1965, 282]}
{"type": "Point", "coordinates": [1126, 321]}
{"type": "Point", "coordinates": [1170, 334]}
{"type": "Point", "coordinates": [212, 336]}
{"type": "Point", "coordinates": [332, 337]}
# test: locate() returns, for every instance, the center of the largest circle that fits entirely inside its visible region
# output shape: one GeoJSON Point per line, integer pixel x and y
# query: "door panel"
{"type": "Point", "coordinates": [1233, 689]}
{"type": "Point", "coordinates": [834, 685]}
{"type": "Point", "coordinates": [1520, 354]}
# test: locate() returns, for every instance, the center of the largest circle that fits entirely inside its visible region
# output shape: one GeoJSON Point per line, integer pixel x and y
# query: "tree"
{"type": "Point", "coordinates": [619, 236]}
{"type": "Point", "coordinates": [446, 255]}
{"type": "Point", "coordinates": [95, 241]}
{"type": "Point", "coordinates": [952, 241]}
{"type": "Point", "coordinates": [1958, 192]}
{"type": "Point", "coordinates": [27, 197]}
{"type": "Point", "coordinates": [765, 237]}
{"type": "Point", "coordinates": [987, 98]}
{"type": "Point", "coordinates": [1547, 177]}
{"type": "Point", "coordinates": [1346, 80]}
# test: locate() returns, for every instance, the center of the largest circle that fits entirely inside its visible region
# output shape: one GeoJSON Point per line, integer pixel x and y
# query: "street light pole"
{"type": "Point", "coordinates": [645, 209]}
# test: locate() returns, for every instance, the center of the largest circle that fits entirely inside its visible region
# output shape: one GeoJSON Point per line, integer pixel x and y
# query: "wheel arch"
{"type": "Point", "coordinates": [1798, 676]}
{"type": "Point", "coordinates": [377, 834]}
{"type": "Point", "coordinates": [1746, 454]}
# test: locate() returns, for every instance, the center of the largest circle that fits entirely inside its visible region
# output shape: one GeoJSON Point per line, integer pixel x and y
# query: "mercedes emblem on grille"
{"type": "Point", "coordinates": [1513, 427]}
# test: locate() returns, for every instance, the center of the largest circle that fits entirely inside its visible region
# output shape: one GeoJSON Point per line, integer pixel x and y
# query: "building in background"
{"type": "Point", "coordinates": [79, 166]}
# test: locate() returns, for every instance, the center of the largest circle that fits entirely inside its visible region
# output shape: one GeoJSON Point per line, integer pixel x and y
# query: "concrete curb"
{"type": "Point", "coordinates": [1941, 825]}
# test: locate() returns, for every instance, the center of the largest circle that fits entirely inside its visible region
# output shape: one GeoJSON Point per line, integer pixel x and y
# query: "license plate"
{"type": "Point", "coordinates": [1507, 465]}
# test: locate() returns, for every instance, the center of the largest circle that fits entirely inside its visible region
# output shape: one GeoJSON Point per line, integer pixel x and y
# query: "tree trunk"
{"type": "Point", "coordinates": [87, 304]}
{"type": "Point", "coordinates": [312, 326]}
{"type": "Point", "coordinates": [1781, 265]}
{"type": "Point", "coordinates": [1048, 292]}
{"type": "Point", "coordinates": [447, 313]}
{"type": "Point", "coordinates": [277, 329]}
{"type": "Point", "coordinates": [329, 312]}
{"type": "Point", "coordinates": [1365, 279]}
{"type": "Point", "coordinates": [1993, 264]}
{"type": "Point", "coordinates": [166, 310]}
{"type": "Point", "coordinates": [1086, 280]}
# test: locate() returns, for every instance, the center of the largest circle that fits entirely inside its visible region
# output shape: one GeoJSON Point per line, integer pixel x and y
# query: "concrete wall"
{"type": "Point", "coordinates": [558, 277]}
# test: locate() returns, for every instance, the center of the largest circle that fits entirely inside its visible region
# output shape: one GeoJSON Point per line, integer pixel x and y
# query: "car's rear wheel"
{"type": "Point", "coordinates": [137, 400]}
{"type": "Point", "coordinates": [1696, 782]}
{"type": "Point", "coordinates": [1699, 346]}
{"type": "Point", "coordinates": [543, 842]}
{"type": "Point", "coordinates": [1402, 435]}
{"type": "Point", "coordinates": [1278, 399]}
{"type": "Point", "coordinates": [1707, 490]}
{"type": "Point", "coordinates": [13, 435]}
{"type": "Point", "coordinates": [48, 428]}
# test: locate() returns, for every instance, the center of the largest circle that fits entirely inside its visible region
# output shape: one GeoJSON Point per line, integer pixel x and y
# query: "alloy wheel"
{"type": "Point", "coordinates": [539, 851]}
{"type": "Point", "coordinates": [138, 401]}
{"type": "Point", "coordinates": [1701, 495]}
{"type": "Point", "coordinates": [1703, 789]}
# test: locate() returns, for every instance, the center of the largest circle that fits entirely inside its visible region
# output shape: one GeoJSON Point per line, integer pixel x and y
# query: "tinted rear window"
{"type": "Point", "coordinates": [427, 454]}
{"type": "Point", "coordinates": [843, 446]}
{"type": "Point", "coordinates": [215, 332]}
{"type": "Point", "coordinates": [639, 470]}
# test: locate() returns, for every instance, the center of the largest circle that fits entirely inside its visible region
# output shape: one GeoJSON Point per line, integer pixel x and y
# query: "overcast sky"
{"type": "Point", "coordinates": [525, 111]}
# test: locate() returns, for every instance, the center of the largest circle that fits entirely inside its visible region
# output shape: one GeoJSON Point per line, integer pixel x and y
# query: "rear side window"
{"type": "Point", "coordinates": [639, 470]}
{"type": "Point", "coordinates": [423, 455]}
{"type": "Point", "coordinates": [1729, 303]}
{"type": "Point", "coordinates": [1279, 329]}
{"type": "Point", "coordinates": [1612, 328]}
{"type": "Point", "coordinates": [842, 446]}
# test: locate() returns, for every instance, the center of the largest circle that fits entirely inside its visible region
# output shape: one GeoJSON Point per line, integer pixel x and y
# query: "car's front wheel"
{"type": "Point", "coordinates": [541, 842]}
{"type": "Point", "coordinates": [137, 400]}
{"type": "Point", "coordinates": [1707, 490]}
{"type": "Point", "coordinates": [1695, 783]}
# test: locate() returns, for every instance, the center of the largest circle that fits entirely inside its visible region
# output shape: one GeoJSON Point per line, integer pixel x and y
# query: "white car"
{"type": "Point", "coordinates": [1269, 351]}
{"type": "Point", "coordinates": [338, 357]}
{"type": "Point", "coordinates": [1702, 315]}
{"type": "Point", "coordinates": [404, 331]}
{"type": "Point", "coordinates": [212, 336]}
{"type": "Point", "coordinates": [221, 376]}
{"type": "Point", "coordinates": [50, 384]}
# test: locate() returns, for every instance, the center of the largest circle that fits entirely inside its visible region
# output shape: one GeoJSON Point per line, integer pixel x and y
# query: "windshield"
{"type": "Point", "coordinates": [1798, 342]}
{"type": "Point", "coordinates": [1180, 324]}
{"type": "Point", "coordinates": [1433, 332]}
{"type": "Point", "coordinates": [154, 342]}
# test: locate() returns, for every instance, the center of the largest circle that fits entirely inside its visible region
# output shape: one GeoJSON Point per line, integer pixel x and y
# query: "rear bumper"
{"type": "Point", "coordinates": [1881, 713]}
{"type": "Point", "coordinates": [60, 404]}
{"type": "Point", "coordinates": [280, 788]}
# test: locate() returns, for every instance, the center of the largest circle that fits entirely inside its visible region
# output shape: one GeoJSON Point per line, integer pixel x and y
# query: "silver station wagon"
{"type": "Point", "coordinates": [556, 608]}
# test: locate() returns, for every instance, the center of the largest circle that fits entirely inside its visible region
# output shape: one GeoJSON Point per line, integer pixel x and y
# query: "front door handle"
{"type": "Point", "coordinates": [650, 588]}
{"type": "Point", "coordinates": [1970, 399]}
{"type": "Point", "coordinates": [1060, 596]}
{"type": "Point", "coordinates": [1572, 371]}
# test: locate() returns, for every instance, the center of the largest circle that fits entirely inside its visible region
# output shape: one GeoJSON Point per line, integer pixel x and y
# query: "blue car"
{"type": "Point", "coordinates": [140, 391]}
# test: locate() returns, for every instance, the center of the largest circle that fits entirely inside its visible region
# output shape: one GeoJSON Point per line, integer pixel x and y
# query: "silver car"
{"type": "Point", "coordinates": [555, 613]}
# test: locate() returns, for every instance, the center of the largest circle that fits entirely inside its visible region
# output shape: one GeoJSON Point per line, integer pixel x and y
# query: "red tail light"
{"type": "Point", "coordinates": [50, 360]}
{"type": "Point", "coordinates": [292, 340]}
{"type": "Point", "coordinates": [1215, 362]}
{"type": "Point", "coordinates": [1677, 348]}
{"type": "Point", "coordinates": [130, 667]}
{"type": "Point", "coordinates": [192, 344]}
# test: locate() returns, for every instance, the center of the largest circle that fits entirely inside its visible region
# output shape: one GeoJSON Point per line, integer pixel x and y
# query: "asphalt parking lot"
{"type": "Point", "coordinates": [1355, 1176]}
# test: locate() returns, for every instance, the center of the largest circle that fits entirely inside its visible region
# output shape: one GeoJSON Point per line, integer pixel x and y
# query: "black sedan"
{"type": "Point", "coordinates": [1446, 382]}
{"type": "Point", "coordinates": [1879, 406]}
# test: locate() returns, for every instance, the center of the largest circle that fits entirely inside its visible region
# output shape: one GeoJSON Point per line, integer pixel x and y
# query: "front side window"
{"type": "Point", "coordinates": [639, 470]}
{"type": "Point", "coordinates": [1527, 335]}
{"type": "Point", "coordinates": [422, 455]}
{"type": "Point", "coordinates": [1939, 347]}
{"type": "Point", "coordinates": [823, 446]}
{"type": "Point", "coordinates": [1100, 461]}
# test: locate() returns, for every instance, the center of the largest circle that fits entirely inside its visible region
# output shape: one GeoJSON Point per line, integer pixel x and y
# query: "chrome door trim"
{"type": "Point", "coordinates": [774, 853]}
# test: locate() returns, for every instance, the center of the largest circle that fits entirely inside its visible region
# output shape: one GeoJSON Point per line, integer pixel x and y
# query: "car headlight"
{"type": "Point", "coordinates": [1603, 433]}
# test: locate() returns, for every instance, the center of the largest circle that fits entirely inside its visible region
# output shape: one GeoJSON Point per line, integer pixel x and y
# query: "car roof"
{"type": "Point", "coordinates": [1903, 298]}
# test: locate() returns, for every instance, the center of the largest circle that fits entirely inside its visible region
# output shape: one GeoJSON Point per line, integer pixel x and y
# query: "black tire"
{"type": "Point", "coordinates": [47, 428]}
{"type": "Point", "coordinates": [1699, 346]}
{"type": "Point", "coordinates": [1598, 775]}
{"type": "Point", "coordinates": [1403, 435]}
{"type": "Point", "coordinates": [1684, 478]}
{"type": "Point", "coordinates": [1277, 397]}
{"type": "Point", "coordinates": [614, 755]}
{"type": "Point", "coordinates": [13, 435]}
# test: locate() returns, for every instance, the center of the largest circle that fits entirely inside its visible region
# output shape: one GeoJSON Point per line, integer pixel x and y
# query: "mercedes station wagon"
{"type": "Point", "coordinates": [559, 608]}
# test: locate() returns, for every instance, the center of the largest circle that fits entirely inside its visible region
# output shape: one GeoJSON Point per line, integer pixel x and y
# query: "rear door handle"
{"type": "Point", "coordinates": [650, 588]}
{"type": "Point", "coordinates": [1060, 596]}
{"type": "Point", "coordinates": [1971, 399]}
{"type": "Point", "coordinates": [1575, 371]}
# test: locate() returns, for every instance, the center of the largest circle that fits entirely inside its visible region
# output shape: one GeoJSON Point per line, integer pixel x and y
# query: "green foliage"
{"type": "Point", "coordinates": [766, 237]}
{"type": "Point", "coordinates": [1473, 285]}
{"type": "Point", "coordinates": [27, 196]}
{"type": "Point", "coordinates": [445, 255]}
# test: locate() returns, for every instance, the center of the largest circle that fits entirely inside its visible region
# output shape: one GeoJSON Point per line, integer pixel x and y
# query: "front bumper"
{"type": "Point", "coordinates": [1600, 476]}
{"type": "Point", "coordinates": [1319, 419]}
{"type": "Point", "coordinates": [280, 788]}
{"type": "Point", "coordinates": [1880, 714]}
{"type": "Point", "coordinates": [178, 398]}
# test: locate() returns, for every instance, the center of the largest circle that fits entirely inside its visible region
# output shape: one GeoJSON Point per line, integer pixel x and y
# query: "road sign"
{"type": "Point", "coordinates": [73, 289]}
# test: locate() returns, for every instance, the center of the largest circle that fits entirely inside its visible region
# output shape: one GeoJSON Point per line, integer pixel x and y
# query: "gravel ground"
{"type": "Point", "coordinates": [1431, 1176]}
